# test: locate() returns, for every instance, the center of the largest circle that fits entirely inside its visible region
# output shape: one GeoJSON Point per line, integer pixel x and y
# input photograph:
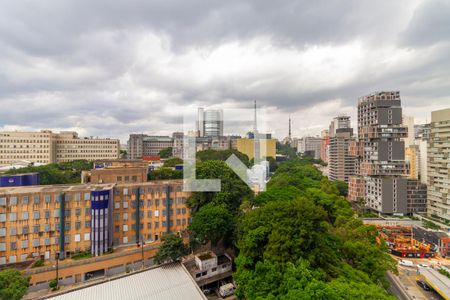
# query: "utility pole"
{"type": "Point", "coordinates": [57, 268]}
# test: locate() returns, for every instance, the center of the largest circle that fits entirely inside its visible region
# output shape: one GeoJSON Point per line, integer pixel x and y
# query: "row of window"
{"type": "Point", "coordinates": [47, 198]}
{"type": "Point", "coordinates": [24, 244]}
{"type": "Point", "coordinates": [36, 215]}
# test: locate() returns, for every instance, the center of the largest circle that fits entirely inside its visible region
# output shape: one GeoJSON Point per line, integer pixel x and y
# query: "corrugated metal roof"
{"type": "Point", "coordinates": [167, 282]}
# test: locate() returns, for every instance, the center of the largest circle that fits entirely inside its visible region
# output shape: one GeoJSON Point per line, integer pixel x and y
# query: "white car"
{"type": "Point", "coordinates": [406, 263]}
{"type": "Point", "coordinates": [425, 266]}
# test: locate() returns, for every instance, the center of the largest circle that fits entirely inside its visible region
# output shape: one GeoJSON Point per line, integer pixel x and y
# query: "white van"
{"type": "Point", "coordinates": [226, 290]}
{"type": "Point", "coordinates": [406, 263]}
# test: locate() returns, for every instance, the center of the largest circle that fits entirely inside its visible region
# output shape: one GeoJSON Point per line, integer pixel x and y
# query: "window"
{"type": "Point", "coordinates": [36, 228]}
{"type": "Point", "coordinates": [87, 196]}
{"type": "Point", "coordinates": [47, 198]}
{"type": "Point", "coordinates": [35, 242]}
{"type": "Point", "coordinates": [178, 222]}
{"type": "Point", "coordinates": [77, 196]}
{"type": "Point", "coordinates": [13, 217]}
{"type": "Point", "coordinates": [116, 204]}
{"type": "Point", "coordinates": [13, 231]}
{"type": "Point", "coordinates": [183, 210]}
{"type": "Point", "coordinates": [87, 224]}
{"type": "Point", "coordinates": [164, 212]}
{"type": "Point", "coordinates": [127, 178]}
{"type": "Point", "coordinates": [36, 199]}
{"type": "Point", "coordinates": [125, 216]}
{"type": "Point", "coordinates": [149, 213]}
{"type": "Point", "coordinates": [77, 211]}
{"type": "Point", "coordinates": [47, 242]}
{"type": "Point", "coordinates": [125, 204]}
{"type": "Point", "coordinates": [119, 178]}
{"type": "Point", "coordinates": [36, 214]}
{"type": "Point", "coordinates": [125, 240]}
{"type": "Point", "coordinates": [25, 200]}
{"type": "Point", "coordinates": [3, 201]}
{"type": "Point", "coordinates": [164, 224]}
{"type": "Point", "coordinates": [117, 228]}
{"type": "Point", "coordinates": [125, 191]}
{"type": "Point", "coordinates": [87, 211]}
{"type": "Point", "coordinates": [77, 225]}
{"type": "Point", "coordinates": [178, 211]}
{"type": "Point", "coordinates": [67, 239]}
{"type": "Point", "coordinates": [149, 202]}
{"type": "Point", "coordinates": [67, 226]}
{"type": "Point", "coordinates": [24, 244]}
{"type": "Point", "coordinates": [149, 225]}
{"type": "Point", "coordinates": [117, 217]}
{"type": "Point", "coordinates": [157, 202]}
{"type": "Point", "coordinates": [47, 227]}
{"type": "Point", "coordinates": [13, 201]}
{"type": "Point", "coordinates": [13, 246]}
{"type": "Point", "coordinates": [67, 212]}
{"type": "Point", "coordinates": [156, 213]}
{"type": "Point", "coordinates": [87, 236]}
{"type": "Point", "coordinates": [47, 214]}
{"type": "Point", "coordinates": [24, 215]}
{"type": "Point", "coordinates": [56, 213]}
{"type": "Point", "coordinates": [77, 237]}
{"type": "Point", "coordinates": [156, 224]}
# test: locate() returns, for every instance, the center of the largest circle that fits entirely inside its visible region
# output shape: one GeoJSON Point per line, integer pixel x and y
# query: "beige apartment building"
{"type": "Point", "coordinates": [50, 147]}
{"type": "Point", "coordinates": [439, 165]}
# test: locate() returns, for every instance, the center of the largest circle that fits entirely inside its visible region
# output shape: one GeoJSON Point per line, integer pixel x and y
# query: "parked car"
{"type": "Point", "coordinates": [226, 290]}
{"type": "Point", "coordinates": [406, 263]}
{"type": "Point", "coordinates": [423, 285]}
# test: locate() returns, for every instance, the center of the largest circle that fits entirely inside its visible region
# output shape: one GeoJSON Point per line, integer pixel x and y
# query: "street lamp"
{"type": "Point", "coordinates": [57, 268]}
{"type": "Point", "coordinates": [142, 252]}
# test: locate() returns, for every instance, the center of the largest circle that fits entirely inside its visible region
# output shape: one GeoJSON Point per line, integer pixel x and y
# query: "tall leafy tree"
{"type": "Point", "coordinates": [172, 249]}
{"type": "Point", "coordinates": [12, 284]}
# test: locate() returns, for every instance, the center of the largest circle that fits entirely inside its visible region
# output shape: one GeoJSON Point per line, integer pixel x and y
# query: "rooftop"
{"type": "Point", "coordinates": [169, 282]}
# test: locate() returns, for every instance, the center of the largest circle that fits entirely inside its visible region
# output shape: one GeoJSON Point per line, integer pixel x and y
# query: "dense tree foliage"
{"type": "Point", "coordinates": [342, 186]}
{"type": "Point", "coordinates": [172, 249]}
{"type": "Point", "coordinates": [214, 214]}
{"type": "Point", "coordinates": [12, 284]}
{"type": "Point", "coordinates": [287, 150]}
{"type": "Point", "coordinates": [166, 152]}
{"type": "Point", "coordinates": [222, 155]}
{"type": "Point", "coordinates": [212, 223]}
{"type": "Point", "coordinates": [172, 162]}
{"type": "Point", "coordinates": [62, 173]}
{"type": "Point", "coordinates": [305, 242]}
{"type": "Point", "coordinates": [165, 173]}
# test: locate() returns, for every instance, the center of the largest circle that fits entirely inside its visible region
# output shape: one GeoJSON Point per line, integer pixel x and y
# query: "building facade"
{"type": "Point", "coordinates": [381, 152]}
{"type": "Point", "coordinates": [46, 147]}
{"type": "Point", "coordinates": [439, 165]}
{"type": "Point", "coordinates": [140, 145]}
{"type": "Point", "coordinates": [210, 122]}
{"type": "Point", "coordinates": [324, 146]}
{"type": "Point", "coordinates": [340, 163]}
{"type": "Point", "coordinates": [39, 221]}
{"type": "Point", "coordinates": [310, 146]}
{"type": "Point", "coordinates": [267, 147]}
{"type": "Point", "coordinates": [416, 196]}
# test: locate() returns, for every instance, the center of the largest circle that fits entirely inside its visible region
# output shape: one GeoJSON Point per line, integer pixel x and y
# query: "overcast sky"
{"type": "Point", "coordinates": [110, 68]}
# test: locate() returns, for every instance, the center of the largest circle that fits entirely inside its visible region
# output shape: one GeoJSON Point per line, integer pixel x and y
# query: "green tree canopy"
{"type": "Point", "coordinates": [172, 162]}
{"type": "Point", "coordinates": [171, 249]}
{"type": "Point", "coordinates": [305, 242]}
{"type": "Point", "coordinates": [62, 173]}
{"type": "Point", "coordinates": [165, 173]}
{"type": "Point", "coordinates": [12, 284]}
{"type": "Point", "coordinates": [222, 155]}
{"type": "Point", "coordinates": [166, 152]}
{"type": "Point", "coordinates": [212, 223]}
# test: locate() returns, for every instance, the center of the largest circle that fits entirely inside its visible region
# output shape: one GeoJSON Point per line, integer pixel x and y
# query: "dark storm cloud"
{"type": "Point", "coordinates": [429, 25]}
{"type": "Point", "coordinates": [114, 67]}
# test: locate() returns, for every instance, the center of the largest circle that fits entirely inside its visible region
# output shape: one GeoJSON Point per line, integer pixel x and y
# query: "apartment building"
{"type": "Point", "coordinates": [416, 196]}
{"type": "Point", "coordinates": [340, 163]}
{"type": "Point", "coordinates": [438, 165]}
{"type": "Point", "coordinates": [46, 147]}
{"type": "Point", "coordinates": [381, 152]}
{"type": "Point", "coordinates": [39, 221]}
{"type": "Point", "coordinates": [310, 145]}
{"type": "Point", "coordinates": [324, 146]}
{"type": "Point", "coordinates": [140, 145]}
{"type": "Point", "coordinates": [210, 122]}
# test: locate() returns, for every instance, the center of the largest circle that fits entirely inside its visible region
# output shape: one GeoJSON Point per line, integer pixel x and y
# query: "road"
{"type": "Point", "coordinates": [407, 277]}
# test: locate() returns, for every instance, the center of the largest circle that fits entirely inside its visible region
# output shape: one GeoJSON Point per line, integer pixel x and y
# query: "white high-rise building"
{"type": "Point", "coordinates": [210, 122]}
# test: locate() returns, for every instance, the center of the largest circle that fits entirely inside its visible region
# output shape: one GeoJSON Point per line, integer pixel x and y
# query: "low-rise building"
{"type": "Point", "coordinates": [39, 221]}
{"type": "Point", "coordinates": [267, 147]}
{"type": "Point", "coordinates": [207, 267]}
{"type": "Point", "coordinates": [46, 147]}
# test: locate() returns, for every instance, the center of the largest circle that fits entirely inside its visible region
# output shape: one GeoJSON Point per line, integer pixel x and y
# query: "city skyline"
{"type": "Point", "coordinates": [135, 67]}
